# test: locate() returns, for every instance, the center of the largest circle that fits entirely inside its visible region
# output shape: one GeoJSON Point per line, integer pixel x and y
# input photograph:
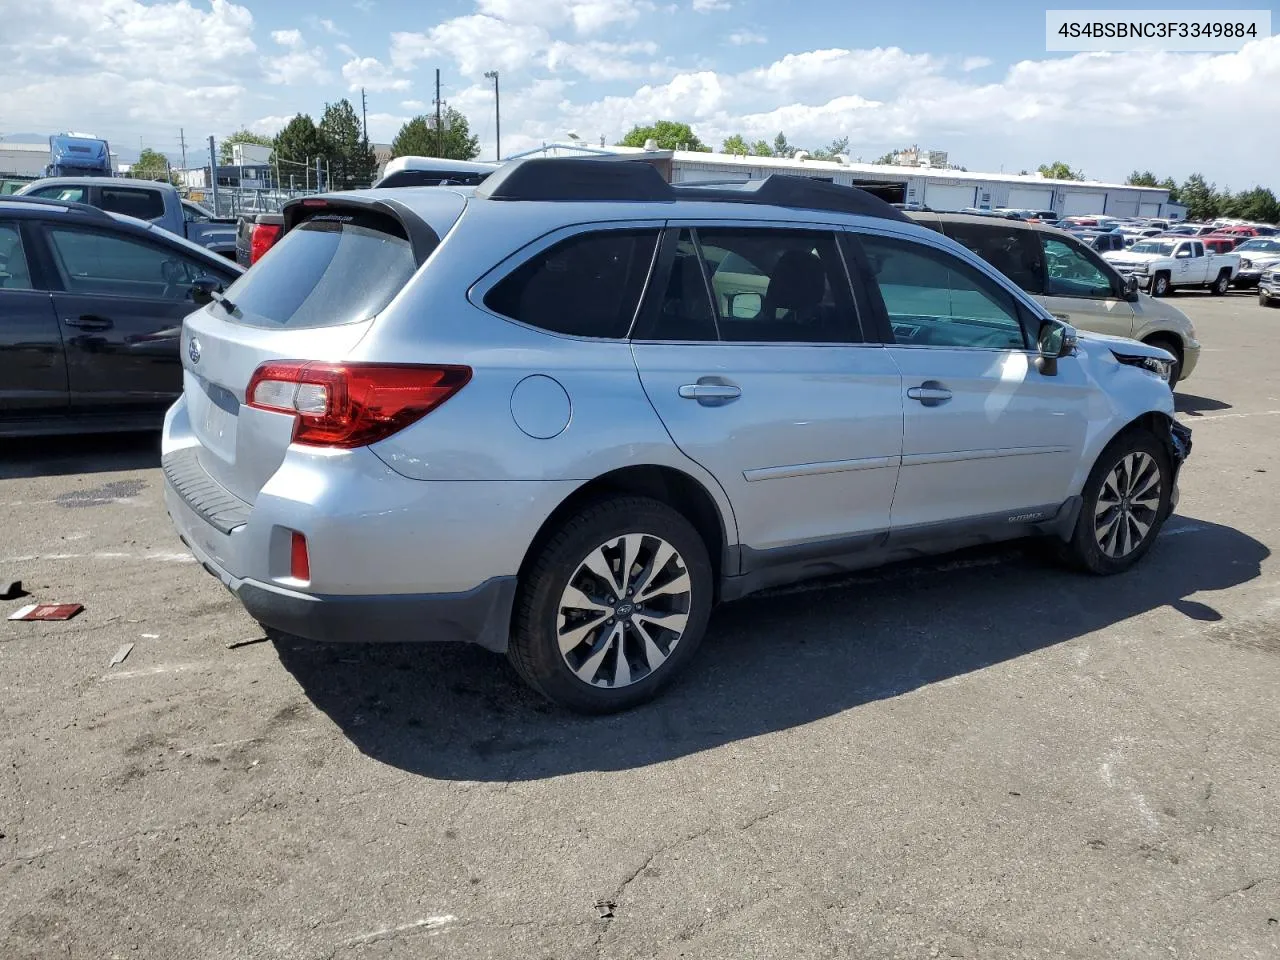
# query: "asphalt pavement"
{"type": "Point", "coordinates": [981, 756]}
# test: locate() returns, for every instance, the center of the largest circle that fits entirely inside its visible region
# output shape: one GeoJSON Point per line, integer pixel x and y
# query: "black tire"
{"type": "Point", "coordinates": [1160, 285]}
{"type": "Point", "coordinates": [1222, 284]}
{"type": "Point", "coordinates": [534, 648]}
{"type": "Point", "coordinates": [1263, 299]}
{"type": "Point", "coordinates": [1085, 550]}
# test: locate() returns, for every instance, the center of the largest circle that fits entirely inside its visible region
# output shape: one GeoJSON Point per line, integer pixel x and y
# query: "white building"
{"type": "Point", "coordinates": [938, 189]}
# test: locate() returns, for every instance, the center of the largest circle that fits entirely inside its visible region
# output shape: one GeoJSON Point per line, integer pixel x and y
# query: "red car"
{"type": "Point", "coordinates": [1241, 231]}
{"type": "Point", "coordinates": [1221, 242]}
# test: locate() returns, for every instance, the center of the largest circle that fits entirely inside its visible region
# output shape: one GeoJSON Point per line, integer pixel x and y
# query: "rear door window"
{"type": "Point", "coordinates": [324, 272]}
{"type": "Point", "coordinates": [132, 202]}
{"type": "Point", "coordinates": [586, 286]}
{"type": "Point", "coordinates": [14, 273]}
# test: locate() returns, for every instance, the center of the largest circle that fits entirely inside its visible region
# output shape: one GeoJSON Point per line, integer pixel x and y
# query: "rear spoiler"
{"type": "Point", "coordinates": [422, 238]}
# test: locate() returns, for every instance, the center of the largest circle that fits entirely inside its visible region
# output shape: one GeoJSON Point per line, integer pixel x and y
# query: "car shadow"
{"type": "Point", "coordinates": [1194, 406]}
{"type": "Point", "coordinates": [80, 453]}
{"type": "Point", "coordinates": [768, 663]}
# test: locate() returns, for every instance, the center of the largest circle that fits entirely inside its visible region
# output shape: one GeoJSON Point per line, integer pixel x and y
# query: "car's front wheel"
{"type": "Point", "coordinates": [1126, 501]}
{"type": "Point", "coordinates": [1160, 286]}
{"type": "Point", "coordinates": [1263, 299]}
{"type": "Point", "coordinates": [613, 605]}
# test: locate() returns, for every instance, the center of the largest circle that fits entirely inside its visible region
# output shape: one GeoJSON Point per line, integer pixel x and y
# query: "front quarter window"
{"type": "Point", "coordinates": [1070, 273]}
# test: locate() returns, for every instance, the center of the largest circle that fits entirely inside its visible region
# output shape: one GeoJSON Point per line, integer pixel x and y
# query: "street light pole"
{"type": "Point", "coordinates": [497, 115]}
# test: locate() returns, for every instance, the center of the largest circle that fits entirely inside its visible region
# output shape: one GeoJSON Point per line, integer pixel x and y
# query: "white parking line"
{"type": "Point", "coordinates": [1235, 416]}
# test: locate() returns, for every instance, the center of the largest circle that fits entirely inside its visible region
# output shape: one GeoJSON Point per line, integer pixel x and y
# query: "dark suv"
{"type": "Point", "coordinates": [91, 309]}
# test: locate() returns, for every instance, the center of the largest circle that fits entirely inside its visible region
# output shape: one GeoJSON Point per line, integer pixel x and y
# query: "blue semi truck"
{"type": "Point", "coordinates": [74, 155]}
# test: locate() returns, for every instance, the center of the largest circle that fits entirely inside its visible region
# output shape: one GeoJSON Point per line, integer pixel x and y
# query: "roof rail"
{"type": "Point", "coordinates": [73, 205]}
{"type": "Point", "coordinates": [580, 179]}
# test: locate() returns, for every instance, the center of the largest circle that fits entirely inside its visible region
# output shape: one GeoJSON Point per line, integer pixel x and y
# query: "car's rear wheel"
{"type": "Point", "coordinates": [1160, 285]}
{"type": "Point", "coordinates": [613, 605]}
{"type": "Point", "coordinates": [1126, 501]}
{"type": "Point", "coordinates": [1222, 284]}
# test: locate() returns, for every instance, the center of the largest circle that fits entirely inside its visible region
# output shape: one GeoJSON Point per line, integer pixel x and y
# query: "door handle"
{"type": "Point", "coordinates": [711, 392]}
{"type": "Point", "coordinates": [931, 393]}
{"type": "Point", "coordinates": [88, 322]}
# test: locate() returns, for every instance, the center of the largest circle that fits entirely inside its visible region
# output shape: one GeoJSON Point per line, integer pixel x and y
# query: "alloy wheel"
{"type": "Point", "coordinates": [1128, 505]}
{"type": "Point", "coordinates": [624, 610]}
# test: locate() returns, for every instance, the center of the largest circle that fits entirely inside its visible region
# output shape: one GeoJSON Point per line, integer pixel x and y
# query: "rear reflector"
{"type": "Point", "coordinates": [263, 239]}
{"type": "Point", "coordinates": [351, 404]}
{"type": "Point", "coordinates": [299, 562]}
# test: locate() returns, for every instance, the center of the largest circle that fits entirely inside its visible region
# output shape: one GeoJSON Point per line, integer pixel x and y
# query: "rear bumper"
{"type": "Point", "coordinates": [481, 615]}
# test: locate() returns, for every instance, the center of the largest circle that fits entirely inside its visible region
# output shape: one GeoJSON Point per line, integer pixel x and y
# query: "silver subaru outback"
{"type": "Point", "coordinates": [565, 413]}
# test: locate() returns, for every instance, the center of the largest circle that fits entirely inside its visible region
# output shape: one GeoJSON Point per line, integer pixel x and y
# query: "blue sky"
{"type": "Point", "coordinates": [975, 81]}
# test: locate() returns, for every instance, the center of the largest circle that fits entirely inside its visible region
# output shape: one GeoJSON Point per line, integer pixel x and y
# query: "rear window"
{"type": "Point", "coordinates": [143, 204]}
{"type": "Point", "coordinates": [325, 272]}
{"type": "Point", "coordinates": [586, 286]}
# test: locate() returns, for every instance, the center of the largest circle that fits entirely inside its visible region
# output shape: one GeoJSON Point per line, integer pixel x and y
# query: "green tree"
{"type": "Point", "coordinates": [1257, 204]}
{"type": "Point", "coordinates": [1202, 200]}
{"type": "Point", "coordinates": [418, 138]}
{"type": "Point", "coordinates": [1144, 179]}
{"type": "Point", "coordinates": [838, 146]}
{"type": "Point", "coordinates": [1168, 184]}
{"type": "Point", "coordinates": [1059, 171]}
{"type": "Point", "coordinates": [886, 160]}
{"type": "Point", "coordinates": [351, 162]}
{"type": "Point", "coordinates": [781, 147]}
{"type": "Point", "coordinates": [761, 148]}
{"type": "Point", "coordinates": [151, 165]}
{"type": "Point", "coordinates": [243, 135]}
{"type": "Point", "coordinates": [735, 145]}
{"type": "Point", "coordinates": [669, 135]}
{"type": "Point", "coordinates": [296, 149]}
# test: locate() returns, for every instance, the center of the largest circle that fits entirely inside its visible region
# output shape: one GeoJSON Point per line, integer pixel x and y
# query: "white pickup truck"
{"type": "Point", "coordinates": [1162, 264]}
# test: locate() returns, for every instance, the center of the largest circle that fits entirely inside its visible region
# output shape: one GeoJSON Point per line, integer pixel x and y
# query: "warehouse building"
{"type": "Point", "coordinates": [933, 187]}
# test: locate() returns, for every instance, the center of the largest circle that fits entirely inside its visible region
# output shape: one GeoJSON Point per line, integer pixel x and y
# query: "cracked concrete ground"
{"type": "Point", "coordinates": [978, 757]}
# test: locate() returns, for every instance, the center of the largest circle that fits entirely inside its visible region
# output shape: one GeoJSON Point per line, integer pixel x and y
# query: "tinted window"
{"type": "Point", "coordinates": [778, 286]}
{"type": "Point", "coordinates": [586, 286]}
{"type": "Point", "coordinates": [104, 264]}
{"type": "Point", "coordinates": [326, 272]}
{"type": "Point", "coordinates": [1015, 253]}
{"type": "Point", "coordinates": [934, 299]}
{"type": "Point", "coordinates": [1071, 271]}
{"type": "Point", "coordinates": [14, 274]}
{"type": "Point", "coordinates": [143, 204]}
{"type": "Point", "coordinates": [69, 194]}
{"type": "Point", "coordinates": [684, 311]}
{"type": "Point", "coordinates": [195, 214]}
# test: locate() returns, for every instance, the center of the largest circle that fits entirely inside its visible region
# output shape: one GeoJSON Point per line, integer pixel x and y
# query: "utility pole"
{"type": "Point", "coordinates": [439, 129]}
{"type": "Point", "coordinates": [497, 115]}
{"type": "Point", "coordinates": [213, 175]}
{"type": "Point", "coordinates": [364, 116]}
{"type": "Point", "coordinates": [182, 139]}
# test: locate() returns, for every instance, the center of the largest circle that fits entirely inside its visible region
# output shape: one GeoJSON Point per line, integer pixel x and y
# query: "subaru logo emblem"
{"type": "Point", "coordinates": [193, 349]}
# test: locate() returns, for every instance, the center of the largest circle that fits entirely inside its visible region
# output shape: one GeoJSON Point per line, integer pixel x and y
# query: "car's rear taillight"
{"type": "Point", "coordinates": [351, 404]}
{"type": "Point", "coordinates": [262, 239]}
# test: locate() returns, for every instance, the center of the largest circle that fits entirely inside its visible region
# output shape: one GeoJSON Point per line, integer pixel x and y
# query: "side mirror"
{"type": "Point", "coordinates": [203, 289]}
{"type": "Point", "coordinates": [1056, 340]}
{"type": "Point", "coordinates": [1131, 288]}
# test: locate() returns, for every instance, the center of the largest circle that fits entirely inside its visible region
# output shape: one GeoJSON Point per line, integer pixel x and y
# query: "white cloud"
{"type": "Point", "coordinates": [298, 66]}
{"type": "Point", "coordinates": [372, 74]}
{"type": "Point", "coordinates": [741, 38]}
{"type": "Point", "coordinates": [413, 104]}
{"type": "Point", "coordinates": [476, 43]}
{"type": "Point", "coordinates": [287, 38]}
{"type": "Point", "coordinates": [330, 27]}
{"type": "Point", "coordinates": [710, 6]}
{"type": "Point", "coordinates": [364, 6]}
{"type": "Point", "coordinates": [975, 63]}
{"type": "Point", "coordinates": [586, 16]}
